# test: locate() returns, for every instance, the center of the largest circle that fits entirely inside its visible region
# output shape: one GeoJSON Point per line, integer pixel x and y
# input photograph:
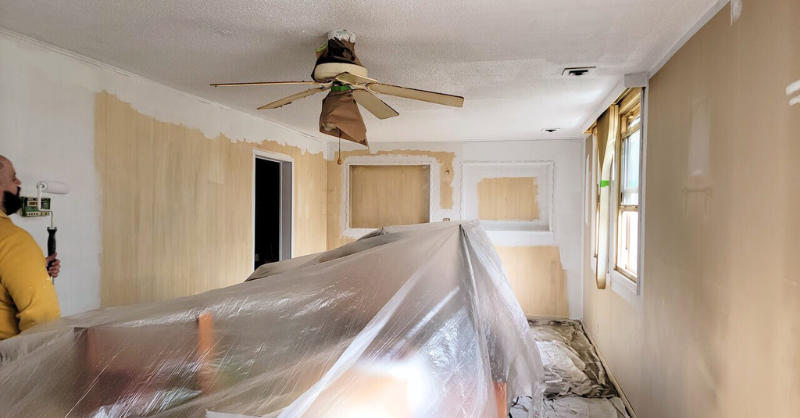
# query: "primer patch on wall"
{"type": "Point", "coordinates": [793, 89]}
{"type": "Point", "coordinates": [508, 199]}
{"type": "Point", "coordinates": [736, 10]}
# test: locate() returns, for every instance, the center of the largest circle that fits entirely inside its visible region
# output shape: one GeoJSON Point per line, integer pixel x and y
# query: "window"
{"type": "Point", "coordinates": [618, 138]}
{"type": "Point", "coordinates": [628, 204]}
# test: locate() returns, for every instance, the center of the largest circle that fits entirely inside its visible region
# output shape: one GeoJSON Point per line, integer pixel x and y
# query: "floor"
{"type": "Point", "coordinates": [576, 383]}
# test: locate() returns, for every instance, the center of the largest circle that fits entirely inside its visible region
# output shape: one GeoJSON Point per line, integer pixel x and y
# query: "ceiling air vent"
{"type": "Point", "coordinates": [577, 71]}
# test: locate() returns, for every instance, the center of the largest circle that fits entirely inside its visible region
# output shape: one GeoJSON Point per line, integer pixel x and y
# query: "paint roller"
{"type": "Point", "coordinates": [50, 187]}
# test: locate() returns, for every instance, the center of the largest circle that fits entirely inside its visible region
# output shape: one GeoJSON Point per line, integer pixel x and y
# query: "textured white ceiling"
{"type": "Point", "coordinates": [505, 57]}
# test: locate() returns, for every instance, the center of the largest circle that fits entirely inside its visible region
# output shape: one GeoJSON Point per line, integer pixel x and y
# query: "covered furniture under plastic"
{"type": "Point", "coordinates": [408, 322]}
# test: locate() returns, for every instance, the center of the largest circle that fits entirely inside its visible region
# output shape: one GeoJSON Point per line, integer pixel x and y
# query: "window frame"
{"type": "Point", "coordinates": [620, 280]}
{"type": "Point", "coordinates": [595, 205]}
{"type": "Point", "coordinates": [626, 114]}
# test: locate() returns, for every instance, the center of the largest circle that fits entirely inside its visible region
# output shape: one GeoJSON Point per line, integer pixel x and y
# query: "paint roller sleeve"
{"type": "Point", "coordinates": [52, 187]}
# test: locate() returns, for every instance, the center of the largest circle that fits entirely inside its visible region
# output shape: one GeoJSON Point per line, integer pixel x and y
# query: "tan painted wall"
{"type": "Point", "coordinates": [166, 187]}
{"type": "Point", "coordinates": [716, 332]}
{"type": "Point", "coordinates": [538, 279]}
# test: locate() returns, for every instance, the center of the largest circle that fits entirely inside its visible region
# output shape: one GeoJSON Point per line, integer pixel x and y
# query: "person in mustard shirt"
{"type": "Point", "coordinates": [27, 295]}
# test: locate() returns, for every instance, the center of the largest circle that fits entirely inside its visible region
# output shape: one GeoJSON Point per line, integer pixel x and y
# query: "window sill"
{"type": "Point", "coordinates": [624, 287]}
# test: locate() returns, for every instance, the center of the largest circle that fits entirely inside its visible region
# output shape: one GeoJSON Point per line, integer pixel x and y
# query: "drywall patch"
{"type": "Point", "coordinates": [793, 89]}
{"type": "Point", "coordinates": [736, 10]}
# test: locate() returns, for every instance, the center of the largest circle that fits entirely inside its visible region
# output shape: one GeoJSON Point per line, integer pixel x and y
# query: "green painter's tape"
{"type": "Point", "coordinates": [320, 49]}
{"type": "Point", "coordinates": [605, 183]}
{"type": "Point", "coordinates": [341, 88]}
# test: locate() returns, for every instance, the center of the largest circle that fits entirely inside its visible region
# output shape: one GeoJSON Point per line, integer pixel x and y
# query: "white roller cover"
{"type": "Point", "coordinates": [52, 187]}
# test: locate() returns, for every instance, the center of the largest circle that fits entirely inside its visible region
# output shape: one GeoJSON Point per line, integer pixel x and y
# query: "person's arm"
{"type": "Point", "coordinates": [25, 277]}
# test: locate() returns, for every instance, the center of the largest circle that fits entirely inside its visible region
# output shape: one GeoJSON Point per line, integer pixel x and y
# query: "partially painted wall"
{"type": "Point", "coordinates": [177, 207]}
{"type": "Point", "coordinates": [544, 265]}
{"type": "Point", "coordinates": [48, 104]}
{"type": "Point", "coordinates": [716, 329]}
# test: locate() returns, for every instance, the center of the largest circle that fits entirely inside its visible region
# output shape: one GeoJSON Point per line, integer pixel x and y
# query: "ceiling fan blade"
{"type": "Point", "coordinates": [297, 96]}
{"type": "Point", "coordinates": [414, 94]}
{"type": "Point", "coordinates": [350, 79]}
{"type": "Point", "coordinates": [375, 105]}
{"type": "Point", "coordinates": [266, 83]}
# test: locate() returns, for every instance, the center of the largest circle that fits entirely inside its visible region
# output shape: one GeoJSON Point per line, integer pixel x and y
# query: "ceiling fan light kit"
{"type": "Point", "coordinates": [339, 70]}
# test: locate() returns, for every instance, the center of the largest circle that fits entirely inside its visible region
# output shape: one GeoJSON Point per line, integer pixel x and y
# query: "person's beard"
{"type": "Point", "coordinates": [12, 203]}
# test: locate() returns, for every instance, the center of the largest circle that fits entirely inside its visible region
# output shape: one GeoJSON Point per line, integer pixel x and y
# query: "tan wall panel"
{"type": "Point", "coordinates": [538, 279]}
{"type": "Point", "coordinates": [508, 199]}
{"type": "Point", "coordinates": [335, 205]}
{"type": "Point", "coordinates": [719, 314]}
{"type": "Point", "coordinates": [389, 195]}
{"type": "Point", "coordinates": [177, 206]}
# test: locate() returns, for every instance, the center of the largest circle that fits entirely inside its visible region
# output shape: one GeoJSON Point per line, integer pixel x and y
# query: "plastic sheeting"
{"type": "Point", "coordinates": [571, 364]}
{"type": "Point", "coordinates": [572, 407]}
{"type": "Point", "coordinates": [413, 322]}
{"type": "Point", "coordinates": [576, 383]}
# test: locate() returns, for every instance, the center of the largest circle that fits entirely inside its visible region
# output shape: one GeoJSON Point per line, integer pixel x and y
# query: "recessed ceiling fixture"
{"type": "Point", "coordinates": [577, 71]}
{"type": "Point", "coordinates": [551, 130]}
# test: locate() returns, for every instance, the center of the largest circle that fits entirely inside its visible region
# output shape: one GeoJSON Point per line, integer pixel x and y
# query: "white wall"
{"type": "Point", "coordinates": [567, 157]}
{"type": "Point", "coordinates": [47, 130]}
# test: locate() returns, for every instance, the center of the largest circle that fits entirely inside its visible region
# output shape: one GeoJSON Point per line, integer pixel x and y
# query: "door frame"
{"type": "Point", "coordinates": [287, 204]}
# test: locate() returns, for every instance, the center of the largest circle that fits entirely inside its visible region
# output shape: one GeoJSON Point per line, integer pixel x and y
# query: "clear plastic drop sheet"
{"type": "Point", "coordinates": [408, 322]}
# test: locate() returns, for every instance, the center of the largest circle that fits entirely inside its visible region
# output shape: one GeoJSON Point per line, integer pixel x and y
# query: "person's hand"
{"type": "Point", "coordinates": [55, 268]}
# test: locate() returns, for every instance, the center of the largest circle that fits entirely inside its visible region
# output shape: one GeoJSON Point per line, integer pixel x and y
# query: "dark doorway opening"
{"type": "Point", "coordinates": [268, 191]}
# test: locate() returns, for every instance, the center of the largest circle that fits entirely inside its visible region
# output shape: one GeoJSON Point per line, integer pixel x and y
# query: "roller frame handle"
{"type": "Point", "coordinates": [51, 244]}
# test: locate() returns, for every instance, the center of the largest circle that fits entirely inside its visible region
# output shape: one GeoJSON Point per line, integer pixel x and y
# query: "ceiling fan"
{"type": "Point", "coordinates": [338, 69]}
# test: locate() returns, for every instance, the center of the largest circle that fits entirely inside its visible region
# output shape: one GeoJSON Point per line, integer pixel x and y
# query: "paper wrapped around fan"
{"type": "Point", "coordinates": [340, 47]}
{"type": "Point", "coordinates": [340, 117]}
